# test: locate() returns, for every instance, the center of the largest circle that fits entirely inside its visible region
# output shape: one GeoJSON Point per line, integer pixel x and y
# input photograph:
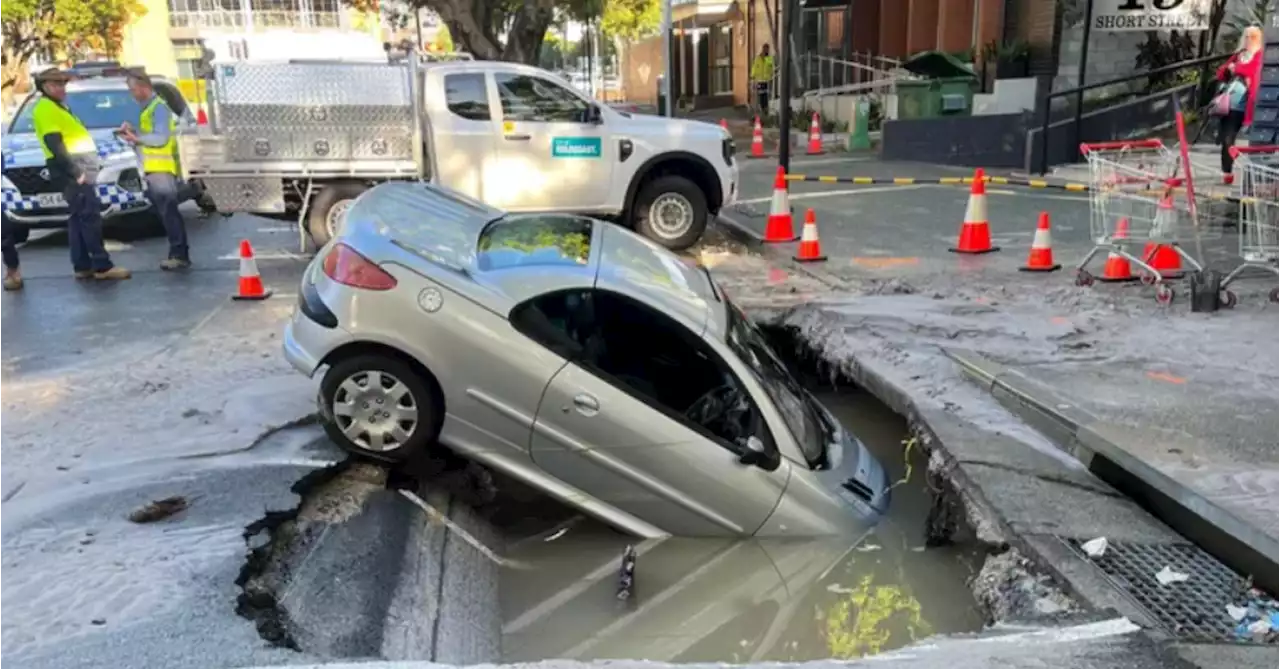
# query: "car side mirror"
{"type": "Point", "coordinates": [592, 115]}
{"type": "Point", "coordinates": [753, 452]}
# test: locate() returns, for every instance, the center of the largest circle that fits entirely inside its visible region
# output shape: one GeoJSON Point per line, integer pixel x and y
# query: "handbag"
{"type": "Point", "coordinates": [1220, 105]}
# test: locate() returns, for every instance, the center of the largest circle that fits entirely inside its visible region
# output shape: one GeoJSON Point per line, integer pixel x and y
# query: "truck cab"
{"type": "Point", "coordinates": [534, 143]}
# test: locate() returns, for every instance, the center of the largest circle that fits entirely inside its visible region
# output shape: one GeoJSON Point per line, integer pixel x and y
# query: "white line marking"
{"type": "Point", "coordinates": [1083, 197]}
{"type": "Point", "coordinates": [277, 228]}
{"type": "Point", "coordinates": [273, 255]}
{"type": "Point", "coordinates": [834, 193]}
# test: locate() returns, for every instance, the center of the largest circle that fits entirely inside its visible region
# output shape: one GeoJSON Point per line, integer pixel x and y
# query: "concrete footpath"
{"type": "Point", "coordinates": [1188, 401]}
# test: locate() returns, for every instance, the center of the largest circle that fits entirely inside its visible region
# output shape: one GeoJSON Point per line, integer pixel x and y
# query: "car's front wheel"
{"type": "Point", "coordinates": [380, 407]}
{"type": "Point", "coordinates": [672, 211]}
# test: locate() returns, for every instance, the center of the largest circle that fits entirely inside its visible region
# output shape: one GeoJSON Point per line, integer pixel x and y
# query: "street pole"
{"type": "Point", "coordinates": [666, 59]}
{"type": "Point", "coordinates": [1080, 77]}
{"type": "Point", "coordinates": [784, 83]}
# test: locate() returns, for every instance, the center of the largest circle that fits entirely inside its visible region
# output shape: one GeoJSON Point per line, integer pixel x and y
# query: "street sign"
{"type": "Point", "coordinates": [1141, 15]}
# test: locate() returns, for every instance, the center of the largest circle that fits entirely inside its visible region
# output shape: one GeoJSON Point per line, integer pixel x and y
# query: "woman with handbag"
{"type": "Point", "coordinates": [1234, 103]}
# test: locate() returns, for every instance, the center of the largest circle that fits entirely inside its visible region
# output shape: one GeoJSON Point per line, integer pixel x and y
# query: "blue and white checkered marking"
{"type": "Point", "coordinates": [108, 194]}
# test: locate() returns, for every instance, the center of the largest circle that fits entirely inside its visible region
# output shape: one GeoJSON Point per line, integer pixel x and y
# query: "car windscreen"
{"type": "Point", "coordinates": [95, 109]}
{"type": "Point", "coordinates": [550, 240]}
{"type": "Point", "coordinates": [795, 405]}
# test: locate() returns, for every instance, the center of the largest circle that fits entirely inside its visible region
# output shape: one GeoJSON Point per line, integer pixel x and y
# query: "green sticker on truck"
{"type": "Point", "coordinates": [576, 147]}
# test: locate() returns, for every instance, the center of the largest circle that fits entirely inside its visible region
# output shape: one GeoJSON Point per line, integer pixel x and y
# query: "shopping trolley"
{"type": "Point", "coordinates": [1258, 172]}
{"type": "Point", "coordinates": [1140, 193]}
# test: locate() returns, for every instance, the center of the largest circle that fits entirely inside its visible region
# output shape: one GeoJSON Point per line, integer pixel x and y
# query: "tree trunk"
{"type": "Point", "coordinates": [525, 36]}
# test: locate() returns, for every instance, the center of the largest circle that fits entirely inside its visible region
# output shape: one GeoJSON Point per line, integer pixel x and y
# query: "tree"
{"type": "Point", "coordinates": [630, 20]}
{"type": "Point", "coordinates": [61, 27]}
{"type": "Point", "coordinates": [510, 30]}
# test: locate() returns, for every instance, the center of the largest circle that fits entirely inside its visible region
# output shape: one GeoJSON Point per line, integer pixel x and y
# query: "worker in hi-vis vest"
{"type": "Point", "coordinates": [157, 142]}
{"type": "Point", "coordinates": [761, 77]}
{"type": "Point", "coordinates": [71, 156]}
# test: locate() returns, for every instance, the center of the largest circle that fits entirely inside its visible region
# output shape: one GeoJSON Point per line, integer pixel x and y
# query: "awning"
{"type": "Point", "coordinates": [705, 13]}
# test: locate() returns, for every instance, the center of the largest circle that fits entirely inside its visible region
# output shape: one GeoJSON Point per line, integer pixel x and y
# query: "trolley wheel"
{"type": "Point", "coordinates": [1148, 279]}
{"type": "Point", "coordinates": [1227, 299]}
{"type": "Point", "coordinates": [1164, 294]}
{"type": "Point", "coordinates": [1084, 278]}
{"type": "Point", "coordinates": [1274, 295]}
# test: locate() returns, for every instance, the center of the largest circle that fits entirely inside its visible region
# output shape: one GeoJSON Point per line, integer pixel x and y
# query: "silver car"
{"type": "Point", "coordinates": [575, 356]}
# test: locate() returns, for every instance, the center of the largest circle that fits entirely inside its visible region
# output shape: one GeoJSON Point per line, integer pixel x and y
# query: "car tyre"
{"type": "Point", "coordinates": [341, 408]}
{"type": "Point", "coordinates": [672, 211]}
{"type": "Point", "coordinates": [327, 205]}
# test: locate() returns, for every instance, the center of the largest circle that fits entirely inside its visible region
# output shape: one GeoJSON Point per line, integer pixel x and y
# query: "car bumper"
{"type": "Point", "coordinates": [308, 342]}
{"type": "Point", "coordinates": [116, 201]}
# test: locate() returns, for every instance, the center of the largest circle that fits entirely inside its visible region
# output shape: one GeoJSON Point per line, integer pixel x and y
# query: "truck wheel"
{"type": "Point", "coordinates": [672, 211]}
{"type": "Point", "coordinates": [328, 207]}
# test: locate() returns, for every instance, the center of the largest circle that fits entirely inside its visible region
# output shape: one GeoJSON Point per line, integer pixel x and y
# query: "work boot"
{"type": "Point", "coordinates": [173, 264]}
{"type": "Point", "coordinates": [83, 274]}
{"type": "Point", "coordinates": [13, 280]}
{"type": "Point", "coordinates": [113, 274]}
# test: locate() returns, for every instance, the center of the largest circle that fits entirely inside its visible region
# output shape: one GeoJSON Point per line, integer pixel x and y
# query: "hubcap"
{"type": "Point", "coordinates": [671, 215]}
{"type": "Point", "coordinates": [333, 220]}
{"type": "Point", "coordinates": [375, 410]}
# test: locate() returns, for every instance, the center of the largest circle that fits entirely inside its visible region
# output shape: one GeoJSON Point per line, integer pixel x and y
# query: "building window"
{"type": "Point", "coordinates": [260, 14]}
{"type": "Point", "coordinates": [722, 59]}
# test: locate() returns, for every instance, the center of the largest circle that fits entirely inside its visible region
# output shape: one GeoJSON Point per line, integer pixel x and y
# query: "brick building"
{"type": "Point", "coordinates": [714, 40]}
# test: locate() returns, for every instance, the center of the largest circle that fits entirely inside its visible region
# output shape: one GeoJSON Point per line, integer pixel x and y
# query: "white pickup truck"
{"type": "Point", "coordinates": [304, 138]}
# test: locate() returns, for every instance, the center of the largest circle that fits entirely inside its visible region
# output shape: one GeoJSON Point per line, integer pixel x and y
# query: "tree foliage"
{"type": "Point", "coordinates": [61, 27]}
{"type": "Point", "coordinates": [630, 20]}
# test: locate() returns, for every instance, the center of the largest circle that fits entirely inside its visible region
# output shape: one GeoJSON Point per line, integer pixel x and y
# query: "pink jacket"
{"type": "Point", "coordinates": [1251, 72]}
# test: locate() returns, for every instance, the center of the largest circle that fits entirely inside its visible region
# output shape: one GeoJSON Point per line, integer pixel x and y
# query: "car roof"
{"type": "Point", "coordinates": [445, 227]}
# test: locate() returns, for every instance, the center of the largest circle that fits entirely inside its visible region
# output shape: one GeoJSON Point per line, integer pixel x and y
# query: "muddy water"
{"type": "Point", "coordinates": [705, 600]}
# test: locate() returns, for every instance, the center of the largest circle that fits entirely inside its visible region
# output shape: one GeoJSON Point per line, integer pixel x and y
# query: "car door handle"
{"type": "Point", "coordinates": [518, 138]}
{"type": "Point", "coordinates": [585, 404]}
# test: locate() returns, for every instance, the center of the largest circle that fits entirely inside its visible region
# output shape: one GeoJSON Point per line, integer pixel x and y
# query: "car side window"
{"type": "Point", "coordinates": [664, 364]}
{"type": "Point", "coordinates": [466, 96]}
{"type": "Point", "coordinates": [529, 98]}
{"type": "Point", "coordinates": [559, 321]}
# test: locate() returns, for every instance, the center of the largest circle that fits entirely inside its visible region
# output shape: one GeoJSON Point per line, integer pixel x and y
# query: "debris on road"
{"type": "Point", "coordinates": [159, 509]}
{"type": "Point", "coordinates": [1167, 576]}
{"type": "Point", "coordinates": [1095, 548]}
{"type": "Point", "coordinates": [1258, 620]}
{"type": "Point", "coordinates": [627, 574]}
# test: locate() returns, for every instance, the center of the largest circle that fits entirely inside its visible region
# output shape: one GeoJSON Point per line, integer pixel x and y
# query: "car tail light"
{"type": "Point", "coordinates": [349, 268]}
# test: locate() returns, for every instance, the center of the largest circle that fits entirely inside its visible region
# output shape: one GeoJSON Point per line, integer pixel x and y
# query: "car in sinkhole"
{"type": "Point", "coordinates": [574, 356]}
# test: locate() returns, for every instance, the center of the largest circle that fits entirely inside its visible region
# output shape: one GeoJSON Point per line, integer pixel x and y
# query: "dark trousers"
{"type": "Point", "coordinates": [84, 226]}
{"type": "Point", "coordinates": [1228, 129]}
{"type": "Point", "coordinates": [165, 192]}
{"type": "Point", "coordinates": [762, 96]}
{"type": "Point", "coordinates": [8, 245]}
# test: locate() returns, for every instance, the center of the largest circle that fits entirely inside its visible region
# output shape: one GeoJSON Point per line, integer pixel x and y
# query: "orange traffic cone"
{"type": "Point", "coordinates": [1163, 258]}
{"type": "Point", "coordinates": [251, 287]}
{"type": "Point", "coordinates": [1117, 268]}
{"type": "Point", "coordinates": [201, 117]}
{"type": "Point", "coordinates": [1041, 257]}
{"type": "Point", "coordinates": [810, 249]}
{"type": "Point", "coordinates": [757, 140]}
{"type": "Point", "coordinates": [975, 235]}
{"type": "Point", "coordinates": [724, 124]}
{"type": "Point", "coordinates": [815, 136]}
{"type": "Point", "coordinates": [779, 227]}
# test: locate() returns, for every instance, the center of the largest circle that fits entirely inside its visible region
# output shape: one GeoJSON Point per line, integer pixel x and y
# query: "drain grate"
{"type": "Point", "coordinates": [1193, 610]}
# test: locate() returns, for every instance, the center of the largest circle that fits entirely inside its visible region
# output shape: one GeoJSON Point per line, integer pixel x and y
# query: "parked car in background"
{"type": "Point", "coordinates": [102, 102]}
{"type": "Point", "coordinates": [575, 356]}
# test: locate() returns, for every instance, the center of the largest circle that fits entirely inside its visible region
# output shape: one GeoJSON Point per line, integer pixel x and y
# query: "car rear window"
{"type": "Point", "coordinates": [563, 241]}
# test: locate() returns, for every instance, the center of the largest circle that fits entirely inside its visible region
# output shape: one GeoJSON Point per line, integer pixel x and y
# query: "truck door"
{"type": "Point", "coordinates": [462, 135]}
{"type": "Point", "coordinates": [551, 156]}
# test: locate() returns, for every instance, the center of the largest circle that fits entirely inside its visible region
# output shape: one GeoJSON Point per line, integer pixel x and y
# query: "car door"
{"type": "Point", "coordinates": [462, 138]}
{"type": "Point", "coordinates": [552, 158]}
{"type": "Point", "coordinates": [611, 423]}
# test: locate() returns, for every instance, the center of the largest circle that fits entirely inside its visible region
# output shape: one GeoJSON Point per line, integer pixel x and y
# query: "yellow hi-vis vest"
{"type": "Point", "coordinates": [158, 158]}
{"type": "Point", "coordinates": [49, 117]}
{"type": "Point", "coordinates": [762, 68]}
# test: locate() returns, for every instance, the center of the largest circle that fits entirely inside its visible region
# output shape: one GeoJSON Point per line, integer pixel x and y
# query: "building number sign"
{"type": "Point", "coordinates": [1141, 15]}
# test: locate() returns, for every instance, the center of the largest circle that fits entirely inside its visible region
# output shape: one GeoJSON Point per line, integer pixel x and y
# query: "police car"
{"type": "Point", "coordinates": [100, 98]}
